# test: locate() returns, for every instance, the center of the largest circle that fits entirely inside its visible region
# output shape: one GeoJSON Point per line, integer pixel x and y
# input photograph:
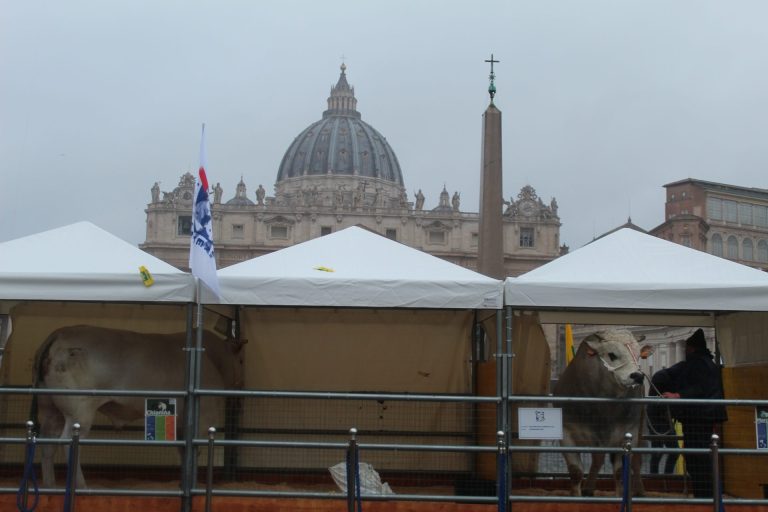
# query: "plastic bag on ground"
{"type": "Point", "coordinates": [370, 481]}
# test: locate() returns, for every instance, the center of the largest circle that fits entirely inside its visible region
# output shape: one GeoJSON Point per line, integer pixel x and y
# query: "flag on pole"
{"type": "Point", "coordinates": [201, 257]}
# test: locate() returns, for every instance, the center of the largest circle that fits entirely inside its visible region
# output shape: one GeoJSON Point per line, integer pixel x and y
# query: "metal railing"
{"type": "Point", "coordinates": [505, 448]}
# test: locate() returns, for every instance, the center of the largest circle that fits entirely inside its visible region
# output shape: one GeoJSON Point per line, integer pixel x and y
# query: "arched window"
{"type": "Point", "coordinates": [762, 251]}
{"type": "Point", "coordinates": [733, 248]}
{"type": "Point", "coordinates": [746, 249]}
{"type": "Point", "coordinates": [717, 245]}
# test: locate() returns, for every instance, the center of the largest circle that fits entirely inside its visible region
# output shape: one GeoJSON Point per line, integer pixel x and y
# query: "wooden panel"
{"type": "Point", "coordinates": [744, 476]}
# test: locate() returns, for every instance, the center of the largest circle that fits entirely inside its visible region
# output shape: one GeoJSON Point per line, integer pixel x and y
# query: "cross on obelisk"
{"type": "Point", "coordinates": [492, 77]}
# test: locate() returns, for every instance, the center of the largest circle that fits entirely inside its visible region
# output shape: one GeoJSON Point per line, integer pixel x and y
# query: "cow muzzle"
{"type": "Point", "coordinates": [637, 377]}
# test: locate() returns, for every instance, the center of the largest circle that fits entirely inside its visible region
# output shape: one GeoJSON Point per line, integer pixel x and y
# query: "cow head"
{"type": "Point", "coordinates": [620, 353]}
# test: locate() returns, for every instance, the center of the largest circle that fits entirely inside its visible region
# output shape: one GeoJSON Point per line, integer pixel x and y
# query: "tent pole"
{"type": "Point", "coordinates": [509, 391]}
{"type": "Point", "coordinates": [501, 407]}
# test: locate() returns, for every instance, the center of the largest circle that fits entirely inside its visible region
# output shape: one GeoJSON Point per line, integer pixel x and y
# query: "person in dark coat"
{"type": "Point", "coordinates": [697, 377]}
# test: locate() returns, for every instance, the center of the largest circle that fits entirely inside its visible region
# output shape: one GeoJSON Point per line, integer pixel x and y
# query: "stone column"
{"type": "Point", "coordinates": [490, 247]}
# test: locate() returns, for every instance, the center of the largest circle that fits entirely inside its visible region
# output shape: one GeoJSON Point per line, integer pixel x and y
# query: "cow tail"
{"type": "Point", "coordinates": [37, 378]}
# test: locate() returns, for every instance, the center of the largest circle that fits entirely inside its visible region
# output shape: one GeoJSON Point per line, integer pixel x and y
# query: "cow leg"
{"type": "Point", "coordinates": [573, 463]}
{"type": "Point", "coordinates": [85, 421]}
{"type": "Point", "coordinates": [617, 461]}
{"type": "Point", "coordinates": [598, 459]}
{"type": "Point", "coordinates": [638, 489]}
{"type": "Point", "coordinates": [635, 482]}
{"type": "Point", "coordinates": [51, 425]}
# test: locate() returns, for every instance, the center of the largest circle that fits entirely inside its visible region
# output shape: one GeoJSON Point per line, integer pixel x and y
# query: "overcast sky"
{"type": "Point", "coordinates": [603, 102]}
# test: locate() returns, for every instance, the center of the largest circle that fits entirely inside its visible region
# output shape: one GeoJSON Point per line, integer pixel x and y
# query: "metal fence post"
{"type": "Point", "coordinates": [351, 470]}
{"type": "Point", "coordinates": [501, 477]}
{"type": "Point", "coordinates": [716, 491]}
{"type": "Point", "coordinates": [72, 472]}
{"type": "Point", "coordinates": [626, 475]}
{"type": "Point", "coordinates": [29, 460]}
{"type": "Point", "coordinates": [209, 474]}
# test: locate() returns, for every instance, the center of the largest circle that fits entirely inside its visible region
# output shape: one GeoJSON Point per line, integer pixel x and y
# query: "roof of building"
{"type": "Point", "coordinates": [340, 143]}
{"type": "Point", "coordinates": [724, 188]}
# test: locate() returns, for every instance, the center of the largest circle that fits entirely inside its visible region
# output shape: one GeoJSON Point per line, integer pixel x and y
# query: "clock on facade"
{"type": "Point", "coordinates": [527, 207]}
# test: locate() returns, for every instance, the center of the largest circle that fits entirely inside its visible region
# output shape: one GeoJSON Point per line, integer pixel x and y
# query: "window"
{"type": "Point", "coordinates": [714, 208]}
{"type": "Point", "coordinates": [717, 245]}
{"type": "Point", "coordinates": [731, 209]}
{"type": "Point", "coordinates": [526, 237]}
{"type": "Point", "coordinates": [278, 232]}
{"type": "Point", "coordinates": [762, 251]}
{"type": "Point", "coordinates": [684, 194]}
{"type": "Point", "coordinates": [685, 239]}
{"type": "Point", "coordinates": [184, 225]}
{"type": "Point", "coordinates": [761, 216]}
{"type": "Point", "coordinates": [745, 214]}
{"type": "Point", "coordinates": [475, 239]}
{"type": "Point", "coordinates": [325, 230]}
{"type": "Point", "coordinates": [437, 237]}
{"type": "Point", "coordinates": [746, 249]}
{"type": "Point", "coordinates": [237, 231]}
{"type": "Point", "coordinates": [391, 233]}
{"type": "Point", "coordinates": [733, 248]}
{"type": "Point", "coordinates": [672, 196]}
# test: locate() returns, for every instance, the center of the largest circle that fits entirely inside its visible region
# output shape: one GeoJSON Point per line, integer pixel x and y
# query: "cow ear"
{"type": "Point", "coordinates": [592, 342]}
{"type": "Point", "coordinates": [646, 351]}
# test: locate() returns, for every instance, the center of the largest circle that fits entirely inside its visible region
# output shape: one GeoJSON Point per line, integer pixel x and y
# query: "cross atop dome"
{"type": "Point", "coordinates": [342, 101]}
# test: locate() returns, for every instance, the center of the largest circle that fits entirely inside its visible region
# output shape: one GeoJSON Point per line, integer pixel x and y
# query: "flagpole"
{"type": "Point", "coordinates": [189, 413]}
{"type": "Point", "coordinates": [202, 264]}
{"type": "Point", "coordinates": [191, 410]}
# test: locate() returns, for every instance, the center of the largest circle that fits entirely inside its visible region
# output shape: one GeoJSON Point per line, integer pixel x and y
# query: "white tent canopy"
{"type": "Point", "coordinates": [633, 272]}
{"type": "Point", "coordinates": [354, 267]}
{"type": "Point", "coordinates": [82, 262]}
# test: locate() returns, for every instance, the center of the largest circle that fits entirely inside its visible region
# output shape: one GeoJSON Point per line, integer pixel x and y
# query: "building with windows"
{"type": "Point", "coordinates": [725, 220]}
{"type": "Point", "coordinates": [340, 172]}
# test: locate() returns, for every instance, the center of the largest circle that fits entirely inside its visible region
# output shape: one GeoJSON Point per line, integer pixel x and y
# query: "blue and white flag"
{"type": "Point", "coordinates": [201, 257]}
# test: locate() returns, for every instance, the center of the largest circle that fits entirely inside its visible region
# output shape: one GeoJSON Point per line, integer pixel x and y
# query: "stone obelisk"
{"type": "Point", "coordinates": [490, 252]}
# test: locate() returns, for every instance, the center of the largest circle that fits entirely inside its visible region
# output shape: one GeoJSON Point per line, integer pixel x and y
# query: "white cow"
{"type": "Point", "coordinates": [605, 366]}
{"type": "Point", "coordinates": [88, 357]}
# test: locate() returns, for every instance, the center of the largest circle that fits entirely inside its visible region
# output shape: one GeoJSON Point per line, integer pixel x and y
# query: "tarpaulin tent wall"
{"type": "Point", "coordinates": [630, 278]}
{"type": "Point", "coordinates": [354, 311]}
{"type": "Point", "coordinates": [81, 274]}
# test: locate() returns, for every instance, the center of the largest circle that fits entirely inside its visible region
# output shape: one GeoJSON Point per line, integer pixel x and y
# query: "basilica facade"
{"type": "Point", "coordinates": [340, 172]}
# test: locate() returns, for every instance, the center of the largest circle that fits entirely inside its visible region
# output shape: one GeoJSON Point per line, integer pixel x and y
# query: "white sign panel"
{"type": "Point", "coordinates": [540, 422]}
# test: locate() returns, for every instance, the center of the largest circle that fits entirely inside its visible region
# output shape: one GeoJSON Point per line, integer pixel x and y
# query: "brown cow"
{"type": "Point", "coordinates": [88, 357]}
{"type": "Point", "coordinates": [605, 366]}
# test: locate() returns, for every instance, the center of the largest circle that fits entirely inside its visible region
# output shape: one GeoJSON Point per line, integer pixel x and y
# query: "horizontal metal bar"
{"type": "Point", "coordinates": [93, 441]}
{"type": "Point", "coordinates": [345, 445]}
{"type": "Point", "coordinates": [639, 450]}
{"type": "Point", "coordinates": [272, 444]}
{"type": "Point", "coordinates": [375, 396]}
{"type": "Point", "coordinates": [638, 401]}
{"type": "Point", "coordinates": [244, 431]}
{"type": "Point", "coordinates": [348, 396]}
{"type": "Point", "coordinates": [91, 392]}
{"type": "Point", "coordinates": [340, 496]}
{"type": "Point", "coordinates": [101, 492]}
{"type": "Point", "coordinates": [635, 500]}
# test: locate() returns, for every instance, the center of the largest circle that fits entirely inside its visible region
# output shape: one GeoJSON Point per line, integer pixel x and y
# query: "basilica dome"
{"type": "Point", "coordinates": [340, 144]}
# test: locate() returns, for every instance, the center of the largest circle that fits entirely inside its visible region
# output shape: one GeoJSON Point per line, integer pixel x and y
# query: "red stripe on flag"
{"type": "Point", "coordinates": [203, 178]}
